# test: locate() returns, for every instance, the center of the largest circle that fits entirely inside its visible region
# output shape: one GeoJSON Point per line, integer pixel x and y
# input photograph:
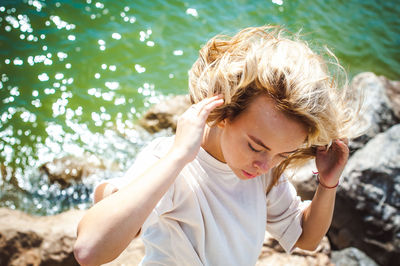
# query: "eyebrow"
{"type": "Point", "coordinates": [259, 142]}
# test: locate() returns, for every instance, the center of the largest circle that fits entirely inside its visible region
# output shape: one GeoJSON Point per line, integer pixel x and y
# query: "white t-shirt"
{"type": "Point", "coordinates": [211, 217]}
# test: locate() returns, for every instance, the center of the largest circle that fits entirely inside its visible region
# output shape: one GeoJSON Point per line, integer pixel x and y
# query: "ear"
{"type": "Point", "coordinates": [222, 123]}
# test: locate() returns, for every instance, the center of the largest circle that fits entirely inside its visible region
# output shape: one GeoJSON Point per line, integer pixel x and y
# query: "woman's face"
{"type": "Point", "coordinates": [259, 138]}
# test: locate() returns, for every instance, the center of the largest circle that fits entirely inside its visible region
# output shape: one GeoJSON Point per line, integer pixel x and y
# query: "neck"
{"type": "Point", "coordinates": [211, 142]}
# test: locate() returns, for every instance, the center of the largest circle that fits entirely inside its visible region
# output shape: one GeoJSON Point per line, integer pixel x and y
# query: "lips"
{"type": "Point", "coordinates": [248, 175]}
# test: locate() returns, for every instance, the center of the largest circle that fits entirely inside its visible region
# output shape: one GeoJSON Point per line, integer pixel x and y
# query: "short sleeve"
{"type": "Point", "coordinates": [284, 214]}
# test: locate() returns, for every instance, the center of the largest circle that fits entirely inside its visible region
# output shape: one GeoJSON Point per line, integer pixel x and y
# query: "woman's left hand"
{"type": "Point", "coordinates": [330, 163]}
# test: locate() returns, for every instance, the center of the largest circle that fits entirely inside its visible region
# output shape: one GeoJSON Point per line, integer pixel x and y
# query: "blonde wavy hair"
{"type": "Point", "coordinates": [271, 61]}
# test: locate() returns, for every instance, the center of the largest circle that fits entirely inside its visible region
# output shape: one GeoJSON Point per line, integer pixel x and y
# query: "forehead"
{"type": "Point", "coordinates": [263, 120]}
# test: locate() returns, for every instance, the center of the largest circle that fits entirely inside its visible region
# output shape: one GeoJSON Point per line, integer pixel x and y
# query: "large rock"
{"type": "Point", "coordinates": [70, 169]}
{"type": "Point", "coordinates": [48, 240]}
{"type": "Point", "coordinates": [351, 257]}
{"type": "Point", "coordinates": [393, 93]}
{"type": "Point", "coordinates": [304, 180]}
{"type": "Point", "coordinates": [37, 240]}
{"type": "Point", "coordinates": [367, 211]}
{"type": "Point", "coordinates": [381, 106]}
{"type": "Point", "coordinates": [165, 114]}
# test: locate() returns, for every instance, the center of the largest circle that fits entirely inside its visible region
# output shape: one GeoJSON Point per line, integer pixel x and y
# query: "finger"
{"type": "Point", "coordinates": [322, 148]}
{"type": "Point", "coordinates": [339, 142]}
{"type": "Point", "coordinates": [198, 107]}
{"type": "Point", "coordinates": [206, 101]}
{"type": "Point", "coordinates": [342, 144]}
{"type": "Point", "coordinates": [205, 112]}
{"type": "Point", "coordinates": [342, 151]}
{"type": "Point", "coordinates": [345, 141]}
{"type": "Point", "coordinates": [202, 104]}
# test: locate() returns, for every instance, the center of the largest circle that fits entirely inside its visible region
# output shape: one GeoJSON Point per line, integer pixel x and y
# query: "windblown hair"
{"type": "Point", "coordinates": [270, 61]}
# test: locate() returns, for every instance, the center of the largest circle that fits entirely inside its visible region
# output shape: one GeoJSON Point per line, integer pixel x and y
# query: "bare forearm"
{"type": "Point", "coordinates": [110, 225]}
{"type": "Point", "coordinates": [317, 218]}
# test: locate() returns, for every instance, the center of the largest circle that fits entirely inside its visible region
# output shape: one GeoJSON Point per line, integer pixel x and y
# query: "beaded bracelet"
{"type": "Point", "coordinates": [320, 183]}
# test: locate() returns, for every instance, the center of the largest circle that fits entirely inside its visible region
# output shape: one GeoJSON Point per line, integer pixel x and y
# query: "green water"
{"type": "Point", "coordinates": [75, 75]}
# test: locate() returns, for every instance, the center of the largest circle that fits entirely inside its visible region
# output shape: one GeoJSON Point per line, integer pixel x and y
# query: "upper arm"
{"type": "Point", "coordinates": [104, 190]}
{"type": "Point", "coordinates": [284, 214]}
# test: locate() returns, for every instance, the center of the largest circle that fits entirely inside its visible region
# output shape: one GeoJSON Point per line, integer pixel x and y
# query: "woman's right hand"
{"type": "Point", "coordinates": [190, 128]}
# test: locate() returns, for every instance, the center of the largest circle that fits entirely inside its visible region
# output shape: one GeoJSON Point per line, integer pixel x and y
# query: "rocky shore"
{"type": "Point", "coordinates": [367, 212]}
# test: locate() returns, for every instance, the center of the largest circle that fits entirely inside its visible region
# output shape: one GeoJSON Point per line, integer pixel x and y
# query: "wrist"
{"type": "Point", "coordinates": [324, 185]}
{"type": "Point", "coordinates": [178, 158]}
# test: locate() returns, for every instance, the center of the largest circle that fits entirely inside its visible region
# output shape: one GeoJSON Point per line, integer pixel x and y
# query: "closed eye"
{"type": "Point", "coordinates": [252, 148]}
{"type": "Point", "coordinates": [284, 156]}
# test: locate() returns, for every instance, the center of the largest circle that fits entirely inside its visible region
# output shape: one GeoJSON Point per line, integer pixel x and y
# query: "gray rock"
{"type": "Point", "coordinates": [379, 110]}
{"type": "Point", "coordinates": [367, 211]}
{"type": "Point", "coordinates": [304, 180]}
{"type": "Point", "coordinates": [393, 93]}
{"type": "Point", "coordinates": [351, 257]}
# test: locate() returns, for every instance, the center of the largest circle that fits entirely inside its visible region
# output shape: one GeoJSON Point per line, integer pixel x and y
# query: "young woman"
{"type": "Point", "coordinates": [262, 102]}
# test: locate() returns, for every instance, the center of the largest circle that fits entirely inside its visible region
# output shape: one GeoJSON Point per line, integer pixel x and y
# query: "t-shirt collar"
{"type": "Point", "coordinates": [209, 159]}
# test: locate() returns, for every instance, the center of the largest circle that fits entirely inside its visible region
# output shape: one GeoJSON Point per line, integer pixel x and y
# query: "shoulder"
{"type": "Point", "coordinates": [268, 181]}
{"type": "Point", "coordinates": [282, 185]}
{"type": "Point", "coordinates": [145, 159]}
{"type": "Point", "coordinates": [158, 147]}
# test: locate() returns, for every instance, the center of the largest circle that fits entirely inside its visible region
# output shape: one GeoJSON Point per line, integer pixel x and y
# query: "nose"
{"type": "Point", "coordinates": [262, 165]}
